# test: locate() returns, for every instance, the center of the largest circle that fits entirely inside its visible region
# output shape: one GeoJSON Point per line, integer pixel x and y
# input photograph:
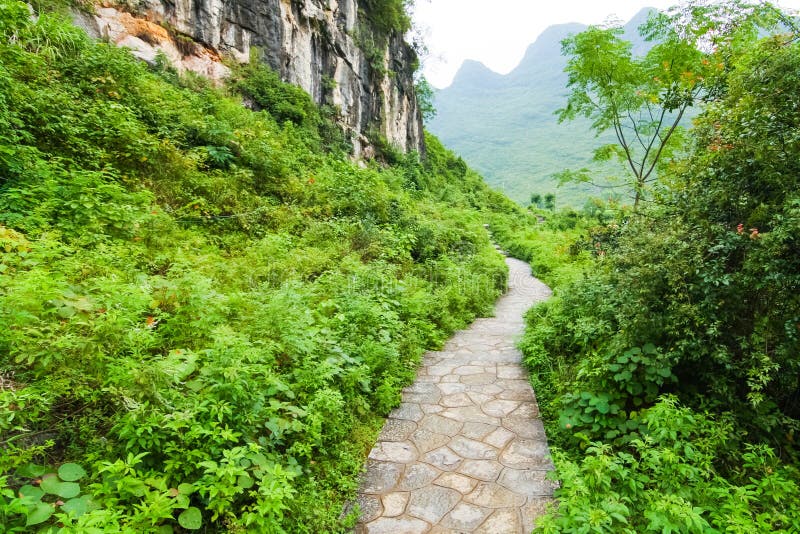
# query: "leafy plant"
{"type": "Point", "coordinates": [387, 16]}
{"type": "Point", "coordinates": [643, 100]}
{"type": "Point", "coordinates": [664, 481]}
{"type": "Point", "coordinates": [210, 308]}
{"type": "Point", "coordinates": [43, 494]}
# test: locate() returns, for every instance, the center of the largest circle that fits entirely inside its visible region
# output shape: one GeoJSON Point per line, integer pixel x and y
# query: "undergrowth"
{"type": "Point", "coordinates": [205, 309]}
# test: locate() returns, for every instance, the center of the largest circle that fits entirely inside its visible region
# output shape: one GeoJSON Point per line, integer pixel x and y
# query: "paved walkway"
{"type": "Point", "coordinates": [466, 450]}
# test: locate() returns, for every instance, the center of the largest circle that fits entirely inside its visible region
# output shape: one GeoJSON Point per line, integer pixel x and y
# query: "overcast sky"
{"type": "Point", "coordinates": [497, 33]}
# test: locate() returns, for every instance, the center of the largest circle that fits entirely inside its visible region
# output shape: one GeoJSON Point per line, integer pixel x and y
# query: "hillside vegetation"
{"type": "Point", "coordinates": [205, 311]}
{"type": "Point", "coordinates": [667, 368]}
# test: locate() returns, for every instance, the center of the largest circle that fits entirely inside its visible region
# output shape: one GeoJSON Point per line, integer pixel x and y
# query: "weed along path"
{"type": "Point", "coordinates": [466, 450]}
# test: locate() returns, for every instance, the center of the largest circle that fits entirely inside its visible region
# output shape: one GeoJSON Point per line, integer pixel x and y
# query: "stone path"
{"type": "Point", "coordinates": [466, 450]}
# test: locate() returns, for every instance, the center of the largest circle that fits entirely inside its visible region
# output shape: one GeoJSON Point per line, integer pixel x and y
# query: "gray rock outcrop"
{"type": "Point", "coordinates": [315, 44]}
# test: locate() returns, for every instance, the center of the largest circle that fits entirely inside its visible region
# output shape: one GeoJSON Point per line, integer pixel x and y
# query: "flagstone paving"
{"type": "Point", "coordinates": [466, 450]}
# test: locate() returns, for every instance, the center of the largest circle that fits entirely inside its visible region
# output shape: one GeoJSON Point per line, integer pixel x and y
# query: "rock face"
{"type": "Point", "coordinates": [312, 43]}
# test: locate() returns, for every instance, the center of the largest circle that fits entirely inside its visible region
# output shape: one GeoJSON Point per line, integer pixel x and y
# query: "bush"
{"type": "Point", "coordinates": [665, 481]}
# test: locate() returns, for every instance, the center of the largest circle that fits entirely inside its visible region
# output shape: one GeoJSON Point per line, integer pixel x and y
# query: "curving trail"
{"type": "Point", "coordinates": [466, 450]}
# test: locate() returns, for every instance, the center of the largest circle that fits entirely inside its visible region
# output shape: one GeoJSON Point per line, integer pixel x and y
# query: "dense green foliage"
{"type": "Point", "coordinates": [206, 308]}
{"type": "Point", "coordinates": [642, 99]}
{"type": "Point", "coordinates": [379, 22]}
{"type": "Point", "coordinates": [387, 16]}
{"type": "Point", "coordinates": [547, 241]}
{"type": "Point", "coordinates": [667, 373]}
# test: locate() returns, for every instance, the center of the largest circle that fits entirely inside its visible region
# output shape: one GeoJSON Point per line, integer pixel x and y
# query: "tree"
{"type": "Point", "coordinates": [550, 201]}
{"type": "Point", "coordinates": [536, 200]}
{"type": "Point", "coordinates": [425, 98]}
{"type": "Point", "coordinates": [644, 99]}
{"type": "Point", "coordinates": [387, 16]}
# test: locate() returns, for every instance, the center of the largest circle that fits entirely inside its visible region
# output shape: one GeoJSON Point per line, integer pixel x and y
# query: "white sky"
{"type": "Point", "coordinates": [498, 32]}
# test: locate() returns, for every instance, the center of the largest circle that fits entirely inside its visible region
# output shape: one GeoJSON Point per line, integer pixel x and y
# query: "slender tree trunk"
{"type": "Point", "coordinates": [638, 189]}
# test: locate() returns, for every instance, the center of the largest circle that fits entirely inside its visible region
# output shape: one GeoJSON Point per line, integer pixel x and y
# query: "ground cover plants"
{"type": "Point", "coordinates": [205, 310]}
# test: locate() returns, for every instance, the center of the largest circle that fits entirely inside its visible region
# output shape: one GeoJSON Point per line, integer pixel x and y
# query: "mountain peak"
{"type": "Point", "coordinates": [474, 72]}
{"type": "Point", "coordinates": [548, 45]}
{"type": "Point", "coordinates": [505, 126]}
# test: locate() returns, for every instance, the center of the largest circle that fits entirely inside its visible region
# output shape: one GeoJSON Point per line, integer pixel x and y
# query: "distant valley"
{"type": "Point", "coordinates": [505, 125]}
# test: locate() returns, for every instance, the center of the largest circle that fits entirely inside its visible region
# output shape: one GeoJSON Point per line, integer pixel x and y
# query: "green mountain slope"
{"type": "Point", "coordinates": [504, 125]}
{"type": "Point", "coordinates": [206, 311]}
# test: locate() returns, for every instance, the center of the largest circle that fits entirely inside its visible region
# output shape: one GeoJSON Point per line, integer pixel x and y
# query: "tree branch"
{"type": "Point", "coordinates": [666, 138]}
{"type": "Point", "coordinates": [636, 129]}
{"type": "Point", "coordinates": [623, 141]}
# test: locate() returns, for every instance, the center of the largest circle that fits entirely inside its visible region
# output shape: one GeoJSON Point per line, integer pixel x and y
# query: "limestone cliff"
{"type": "Point", "coordinates": [316, 44]}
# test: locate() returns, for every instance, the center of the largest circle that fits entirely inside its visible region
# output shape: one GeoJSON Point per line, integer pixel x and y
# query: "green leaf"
{"type": "Point", "coordinates": [68, 490]}
{"type": "Point", "coordinates": [619, 517]}
{"type": "Point", "coordinates": [71, 472]}
{"type": "Point", "coordinates": [623, 376]}
{"type": "Point", "coordinates": [156, 482]}
{"type": "Point", "coordinates": [186, 489]}
{"type": "Point", "coordinates": [50, 483]}
{"type": "Point", "coordinates": [191, 519]}
{"type": "Point", "coordinates": [31, 471]}
{"type": "Point", "coordinates": [258, 459]}
{"type": "Point", "coordinates": [195, 385]}
{"type": "Point", "coordinates": [179, 365]}
{"type": "Point", "coordinates": [39, 514]}
{"type": "Point", "coordinates": [65, 312]}
{"type": "Point", "coordinates": [78, 506]}
{"type": "Point", "coordinates": [135, 487]}
{"type": "Point", "coordinates": [245, 482]}
{"type": "Point", "coordinates": [30, 494]}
